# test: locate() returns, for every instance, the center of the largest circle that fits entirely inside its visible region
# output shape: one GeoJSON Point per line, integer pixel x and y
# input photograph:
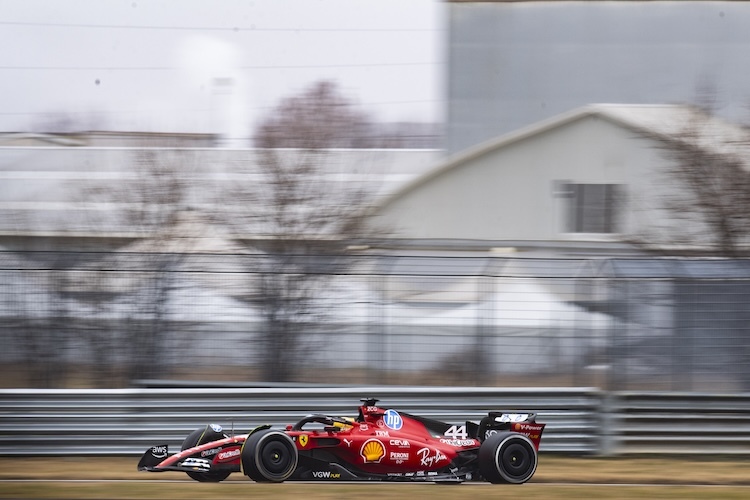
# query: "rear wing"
{"type": "Point", "coordinates": [522, 423]}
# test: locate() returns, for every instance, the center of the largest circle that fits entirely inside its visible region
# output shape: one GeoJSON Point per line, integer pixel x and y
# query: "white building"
{"type": "Point", "coordinates": [595, 175]}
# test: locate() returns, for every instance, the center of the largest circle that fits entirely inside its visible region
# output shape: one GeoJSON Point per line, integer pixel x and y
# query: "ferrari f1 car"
{"type": "Point", "coordinates": [377, 444]}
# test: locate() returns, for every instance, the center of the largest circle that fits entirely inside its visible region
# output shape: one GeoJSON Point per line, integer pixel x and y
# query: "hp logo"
{"type": "Point", "coordinates": [393, 420]}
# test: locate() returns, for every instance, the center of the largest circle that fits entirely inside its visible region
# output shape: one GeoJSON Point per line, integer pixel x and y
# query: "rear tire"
{"type": "Point", "coordinates": [507, 457]}
{"type": "Point", "coordinates": [269, 456]}
{"type": "Point", "coordinates": [198, 437]}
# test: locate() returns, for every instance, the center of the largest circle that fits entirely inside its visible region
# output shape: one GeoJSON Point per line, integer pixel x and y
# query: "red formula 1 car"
{"type": "Point", "coordinates": [379, 444]}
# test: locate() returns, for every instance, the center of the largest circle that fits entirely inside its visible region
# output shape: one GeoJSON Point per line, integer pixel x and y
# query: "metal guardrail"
{"type": "Point", "coordinates": [128, 421]}
{"type": "Point", "coordinates": [579, 420]}
{"type": "Point", "coordinates": [675, 422]}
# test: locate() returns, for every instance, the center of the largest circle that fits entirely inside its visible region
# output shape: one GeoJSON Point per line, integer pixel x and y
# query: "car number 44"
{"type": "Point", "coordinates": [456, 432]}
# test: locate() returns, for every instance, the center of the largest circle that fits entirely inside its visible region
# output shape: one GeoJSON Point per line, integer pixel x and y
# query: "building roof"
{"type": "Point", "coordinates": [29, 139]}
{"type": "Point", "coordinates": [73, 191]}
{"type": "Point", "coordinates": [662, 122]}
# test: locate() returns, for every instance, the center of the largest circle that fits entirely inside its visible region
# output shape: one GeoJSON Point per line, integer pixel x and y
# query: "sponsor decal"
{"type": "Point", "coordinates": [399, 457]}
{"type": "Point", "coordinates": [372, 451]}
{"type": "Point", "coordinates": [159, 451]}
{"type": "Point", "coordinates": [533, 431]}
{"type": "Point", "coordinates": [211, 452]}
{"type": "Point", "coordinates": [325, 474]}
{"type": "Point", "coordinates": [227, 455]}
{"type": "Point", "coordinates": [216, 428]}
{"type": "Point", "coordinates": [303, 440]}
{"type": "Point", "coordinates": [459, 443]}
{"type": "Point", "coordinates": [393, 420]}
{"type": "Point", "coordinates": [527, 427]}
{"type": "Point", "coordinates": [512, 417]}
{"type": "Point", "coordinates": [382, 434]}
{"type": "Point", "coordinates": [489, 433]}
{"type": "Point", "coordinates": [363, 427]}
{"type": "Point", "coordinates": [199, 464]}
{"type": "Point", "coordinates": [348, 442]}
{"type": "Point", "coordinates": [430, 458]}
{"type": "Point", "coordinates": [399, 443]}
{"type": "Point", "coordinates": [371, 409]}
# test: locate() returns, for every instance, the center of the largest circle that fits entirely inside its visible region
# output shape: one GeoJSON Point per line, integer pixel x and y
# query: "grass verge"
{"type": "Point", "coordinates": [556, 477]}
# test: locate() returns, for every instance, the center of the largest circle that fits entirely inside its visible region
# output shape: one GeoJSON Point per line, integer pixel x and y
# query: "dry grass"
{"type": "Point", "coordinates": [557, 477]}
{"type": "Point", "coordinates": [552, 469]}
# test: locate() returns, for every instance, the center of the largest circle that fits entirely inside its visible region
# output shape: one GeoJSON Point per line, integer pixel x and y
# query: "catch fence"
{"type": "Point", "coordinates": [90, 319]}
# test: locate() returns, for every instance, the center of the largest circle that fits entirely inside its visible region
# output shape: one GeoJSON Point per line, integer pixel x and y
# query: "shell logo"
{"type": "Point", "coordinates": [372, 451]}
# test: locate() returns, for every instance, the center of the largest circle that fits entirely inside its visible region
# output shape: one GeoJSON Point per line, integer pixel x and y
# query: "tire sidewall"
{"type": "Point", "coordinates": [252, 456]}
{"type": "Point", "coordinates": [193, 440]}
{"type": "Point", "coordinates": [491, 457]}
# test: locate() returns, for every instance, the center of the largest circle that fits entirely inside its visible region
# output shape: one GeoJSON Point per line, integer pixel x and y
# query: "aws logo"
{"type": "Point", "coordinates": [372, 451]}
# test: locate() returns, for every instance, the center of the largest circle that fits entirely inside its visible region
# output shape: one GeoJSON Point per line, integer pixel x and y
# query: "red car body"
{"type": "Point", "coordinates": [378, 444]}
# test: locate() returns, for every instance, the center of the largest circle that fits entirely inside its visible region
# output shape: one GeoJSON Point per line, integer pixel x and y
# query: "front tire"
{"type": "Point", "coordinates": [508, 457]}
{"type": "Point", "coordinates": [269, 456]}
{"type": "Point", "coordinates": [198, 437]}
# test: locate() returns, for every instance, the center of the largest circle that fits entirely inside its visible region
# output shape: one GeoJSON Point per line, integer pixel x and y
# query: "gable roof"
{"type": "Point", "coordinates": [28, 139]}
{"type": "Point", "coordinates": [664, 122]}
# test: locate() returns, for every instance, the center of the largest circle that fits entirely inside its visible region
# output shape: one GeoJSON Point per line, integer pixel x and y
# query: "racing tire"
{"type": "Point", "coordinates": [198, 437]}
{"type": "Point", "coordinates": [269, 456]}
{"type": "Point", "coordinates": [507, 457]}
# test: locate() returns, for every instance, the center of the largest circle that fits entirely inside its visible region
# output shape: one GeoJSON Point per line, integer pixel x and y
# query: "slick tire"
{"type": "Point", "coordinates": [507, 457]}
{"type": "Point", "coordinates": [200, 436]}
{"type": "Point", "coordinates": [269, 456]}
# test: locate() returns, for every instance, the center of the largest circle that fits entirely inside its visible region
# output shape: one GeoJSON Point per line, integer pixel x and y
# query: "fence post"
{"type": "Point", "coordinates": [608, 429]}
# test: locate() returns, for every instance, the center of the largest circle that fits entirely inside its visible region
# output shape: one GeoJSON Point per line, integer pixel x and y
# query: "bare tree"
{"type": "Point", "coordinates": [711, 173]}
{"type": "Point", "coordinates": [148, 203]}
{"type": "Point", "coordinates": [321, 116]}
{"type": "Point", "coordinates": [301, 218]}
{"type": "Point", "coordinates": [708, 167]}
{"type": "Point", "coordinates": [156, 201]}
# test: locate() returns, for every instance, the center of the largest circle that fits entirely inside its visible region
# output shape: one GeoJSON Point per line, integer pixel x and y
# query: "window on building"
{"type": "Point", "coordinates": [591, 208]}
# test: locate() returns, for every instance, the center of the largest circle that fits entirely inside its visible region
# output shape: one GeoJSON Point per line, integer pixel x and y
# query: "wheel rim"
{"type": "Point", "coordinates": [277, 458]}
{"type": "Point", "coordinates": [516, 461]}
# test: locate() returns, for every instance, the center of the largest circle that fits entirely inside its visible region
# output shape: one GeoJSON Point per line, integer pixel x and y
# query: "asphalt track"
{"type": "Point", "coordinates": [160, 489]}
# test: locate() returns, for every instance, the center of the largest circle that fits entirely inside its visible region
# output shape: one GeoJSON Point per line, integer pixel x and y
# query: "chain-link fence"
{"type": "Point", "coordinates": [110, 319]}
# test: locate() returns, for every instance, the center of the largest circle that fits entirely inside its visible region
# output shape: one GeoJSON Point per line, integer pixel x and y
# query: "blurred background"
{"type": "Point", "coordinates": [430, 192]}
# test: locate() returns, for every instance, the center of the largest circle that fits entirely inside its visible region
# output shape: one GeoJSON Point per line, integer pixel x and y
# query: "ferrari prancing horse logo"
{"type": "Point", "coordinates": [303, 440]}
